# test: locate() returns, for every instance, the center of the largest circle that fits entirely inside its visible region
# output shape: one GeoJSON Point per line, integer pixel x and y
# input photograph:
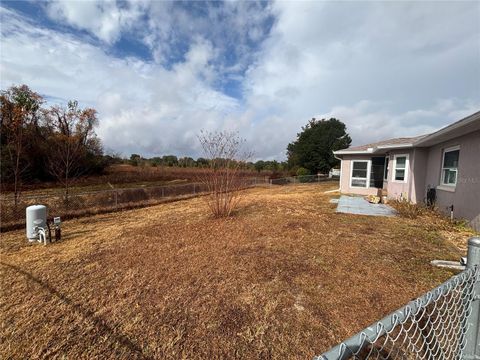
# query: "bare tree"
{"type": "Point", "coordinates": [71, 134]}
{"type": "Point", "coordinates": [19, 107]}
{"type": "Point", "coordinates": [223, 178]}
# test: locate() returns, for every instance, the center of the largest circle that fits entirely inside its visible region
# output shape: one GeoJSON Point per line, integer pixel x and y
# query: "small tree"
{"type": "Point", "coordinates": [19, 107]}
{"type": "Point", "coordinates": [223, 178]}
{"type": "Point", "coordinates": [71, 136]}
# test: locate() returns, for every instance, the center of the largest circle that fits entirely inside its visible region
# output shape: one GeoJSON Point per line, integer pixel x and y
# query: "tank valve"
{"type": "Point", "coordinates": [58, 231]}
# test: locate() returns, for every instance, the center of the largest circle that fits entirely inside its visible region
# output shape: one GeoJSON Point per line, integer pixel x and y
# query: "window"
{"type": "Point", "coordinates": [360, 170]}
{"type": "Point", "coordinates": [385, 170]}
{"type": "Point", "coordinates": [400, 168]}
{"type": "Point", "coordinates": [450, 166]}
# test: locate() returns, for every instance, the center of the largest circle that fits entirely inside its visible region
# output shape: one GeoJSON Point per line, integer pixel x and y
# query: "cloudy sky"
{"type": "Point", "coordinates": [159, 72]}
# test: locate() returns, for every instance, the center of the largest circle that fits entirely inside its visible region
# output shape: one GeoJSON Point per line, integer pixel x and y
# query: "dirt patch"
{"type": "Point", "coordinates": [286, 277]}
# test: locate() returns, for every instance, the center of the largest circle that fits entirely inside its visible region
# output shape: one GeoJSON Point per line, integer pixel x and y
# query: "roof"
{"type": "Point", "coordinates": [397, 143]}
{"type": "Point", "coordinates": [464, 126]}
{"type": "Point", "coordinates": [389, 143]}
{"type": "Point", "coordinates": [461, 127]}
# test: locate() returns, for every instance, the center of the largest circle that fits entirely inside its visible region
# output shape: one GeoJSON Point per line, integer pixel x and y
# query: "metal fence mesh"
{"type": "Point", "coordinates": [302, 179]}
{"type": "Point", "coordinates": [92, 202]}
{"type": "Point", "coordinates": [434, 326]}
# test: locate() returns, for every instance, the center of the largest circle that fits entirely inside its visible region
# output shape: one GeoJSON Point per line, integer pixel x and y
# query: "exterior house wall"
{"type": "Point", "coordinates": [465, 197]}
{"type": "Point", "coordinates": [419, 188]}
{"type": "Point", "coordinates": [346, 170]}
{"type": "Point", "coordinates": [396, 189]}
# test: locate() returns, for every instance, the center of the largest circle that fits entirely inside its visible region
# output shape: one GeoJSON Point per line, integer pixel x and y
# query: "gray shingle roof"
{"type": "Point", "coordinates": [389, 142]}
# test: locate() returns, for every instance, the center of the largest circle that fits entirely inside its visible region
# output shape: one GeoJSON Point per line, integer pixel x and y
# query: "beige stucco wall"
{"type": "Point", "coordinates": [345, 177]}
{"type": "Point", "coordinates": [418, 190]}
{"type": "Point", "coordinates": [466, 195]}
{"type": "Point", "coordinates": [396, 189]}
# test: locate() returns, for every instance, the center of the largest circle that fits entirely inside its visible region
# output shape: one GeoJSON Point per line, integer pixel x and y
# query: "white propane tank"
{"type": "Point", "coordinates": [36, 216]}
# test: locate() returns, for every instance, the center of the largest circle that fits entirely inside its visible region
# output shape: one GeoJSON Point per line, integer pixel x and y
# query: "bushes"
{"type": "Point", "coordinates": [302, 171]}
{"type": "Point", "coordinates": [303, 175]}
{"type": "Point", "coordinates": [408, 209]}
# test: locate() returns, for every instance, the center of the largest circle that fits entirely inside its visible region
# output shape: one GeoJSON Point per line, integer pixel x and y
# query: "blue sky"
{"type": "Point", "coordinates": [158, 72]}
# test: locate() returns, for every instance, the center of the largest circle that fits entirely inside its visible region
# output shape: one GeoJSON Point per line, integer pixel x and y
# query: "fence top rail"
{"type": "Point", "coordinates": [373, 332]}
{"type": "Point", "coordinates": [58, 193]}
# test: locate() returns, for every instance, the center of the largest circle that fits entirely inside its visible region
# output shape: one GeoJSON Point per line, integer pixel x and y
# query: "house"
{"type": "Point", "coordinates": [447, 160]}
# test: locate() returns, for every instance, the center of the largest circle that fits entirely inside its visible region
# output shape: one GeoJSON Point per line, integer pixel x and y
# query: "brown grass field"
{"type": "Point", "coordinates": [286, 277]}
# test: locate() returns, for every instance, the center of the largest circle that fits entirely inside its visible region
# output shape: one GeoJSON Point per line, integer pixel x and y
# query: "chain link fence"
{"type": "Point", "coordinates": [442, 324]}
{"type": "Point", "coordinates": [102, 201]}
{"type": "Point", "coordinates": [302, 179]}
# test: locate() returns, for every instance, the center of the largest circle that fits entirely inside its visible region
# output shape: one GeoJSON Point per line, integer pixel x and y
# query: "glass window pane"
{"type": "Point", "coordinates": [359, 182]}
{"type": "Point", "coordinates": [449, 177]}
{"type": "Point", "coordinates": [452, 177]}
{"type": "Point", "coordinates": [359, 174]}
{"type": "Point", "coordinates": [451, 159]}
{"type": "Point", "coordinates": [400, 175]}
{"type": "Point", "coordinates": [400, 164]}
{"type": "Point", "coordinates": [360, 165]}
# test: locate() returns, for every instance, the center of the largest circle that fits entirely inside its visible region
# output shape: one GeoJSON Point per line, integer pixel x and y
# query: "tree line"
{"type": "Point", "coordinates": [189, 162]}
{"type": "Point", "coordinates": [45, 143]}
{"type": "Point", "coordinates": [41, 142]}
{"type": "Point", "coordinates": [310, 153]}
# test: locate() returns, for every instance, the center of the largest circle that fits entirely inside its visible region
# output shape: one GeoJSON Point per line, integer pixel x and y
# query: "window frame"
{"type": "Point", "coordinates": [442, 173]}
{"type": "Point", "coordinates": [367, 179]}
{"type": "Point", "coordinates": [386, 168]}
{"type": "Point", "coordinates": [407, 163]}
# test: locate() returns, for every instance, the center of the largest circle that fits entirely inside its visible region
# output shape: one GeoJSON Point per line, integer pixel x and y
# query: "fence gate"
{"type": "Point", "coordinates": [442, 324]}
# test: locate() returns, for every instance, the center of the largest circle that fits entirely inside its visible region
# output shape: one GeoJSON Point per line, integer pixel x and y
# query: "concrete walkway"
{"type": "Point", "coordinates": [358, 205]}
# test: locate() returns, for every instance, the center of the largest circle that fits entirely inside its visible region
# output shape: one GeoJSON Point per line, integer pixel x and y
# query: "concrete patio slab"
{"type": "Point", "coordinates": [359, 206]}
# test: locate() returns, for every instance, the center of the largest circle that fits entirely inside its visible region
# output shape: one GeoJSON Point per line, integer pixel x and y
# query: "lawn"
{"type": "Point", "coordinates": [286, 277]}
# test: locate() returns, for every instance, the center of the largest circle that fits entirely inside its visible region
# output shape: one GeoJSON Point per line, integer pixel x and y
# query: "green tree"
{"type": "Point", "coordinates": [170, 160]}
{"type": "Point", "coordinates": [202, 162]}
{"type": "Point", "coordinates": [186, 162]}
{"type": "Point", "coordinates": [314, 146]}
{"type": "Point", "coordinates": [135, 159]}
{"type": "Point", "coordinates": [259, 165]}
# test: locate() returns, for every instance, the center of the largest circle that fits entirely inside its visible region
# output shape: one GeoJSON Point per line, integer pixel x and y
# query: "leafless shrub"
{"type": "Point", "coordinates": [408, 209]}
{"type": "Point", "coordinates": [224, 178]}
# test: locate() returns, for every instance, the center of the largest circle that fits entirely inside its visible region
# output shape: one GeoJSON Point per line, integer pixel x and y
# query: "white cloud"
{"type": "Point", "coordinates": [385, 69]}
{"type": "Point", "coordinates": [368, 122]}
{"type": "Point", "coordinates": [142, 106]}
{"type": "Point", "coordinates": [104, 19]}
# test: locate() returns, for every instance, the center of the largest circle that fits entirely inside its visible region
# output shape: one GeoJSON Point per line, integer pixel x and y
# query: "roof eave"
{"type": "Point", "coordinates": [372, 150]}
{"type": "Point", "coordinates": [353, 152]}
{"type": "Point", "coordinates": [452, 130]}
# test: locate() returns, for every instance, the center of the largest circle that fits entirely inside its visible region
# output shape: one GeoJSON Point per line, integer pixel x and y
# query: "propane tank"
{"type": "Point", "coordinates": [36, 217]}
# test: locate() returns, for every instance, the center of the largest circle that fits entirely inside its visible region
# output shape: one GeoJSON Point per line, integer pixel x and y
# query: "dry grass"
{"type": "Point", "coordinates": [122, 176]}
{"type": "Point", "coordinates": [286, 277]}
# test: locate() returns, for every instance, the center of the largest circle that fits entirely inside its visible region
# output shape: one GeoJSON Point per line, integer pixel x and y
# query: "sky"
{"type": "Point", "coordinates": [159, 72]}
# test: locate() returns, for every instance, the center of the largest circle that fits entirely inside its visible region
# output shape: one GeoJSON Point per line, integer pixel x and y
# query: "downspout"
{"type": "Point", "coordinates": [341, 172]}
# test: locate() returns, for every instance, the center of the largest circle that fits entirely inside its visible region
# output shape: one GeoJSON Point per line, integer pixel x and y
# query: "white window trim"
{"type": "Point", "coordinates": [442, 184]}
{"type": "Point", "coordinates": [369, 164]}
{"type": "Point", "coordinates": [394, 168]}
{"type": "Point", "coordinates": [449, 188]}
{"type": "Point", "coordinates": [386, 168]}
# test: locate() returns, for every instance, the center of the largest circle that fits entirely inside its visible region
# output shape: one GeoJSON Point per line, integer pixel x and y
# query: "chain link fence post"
{"type": "Point", "coordinates": [472, 335]}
